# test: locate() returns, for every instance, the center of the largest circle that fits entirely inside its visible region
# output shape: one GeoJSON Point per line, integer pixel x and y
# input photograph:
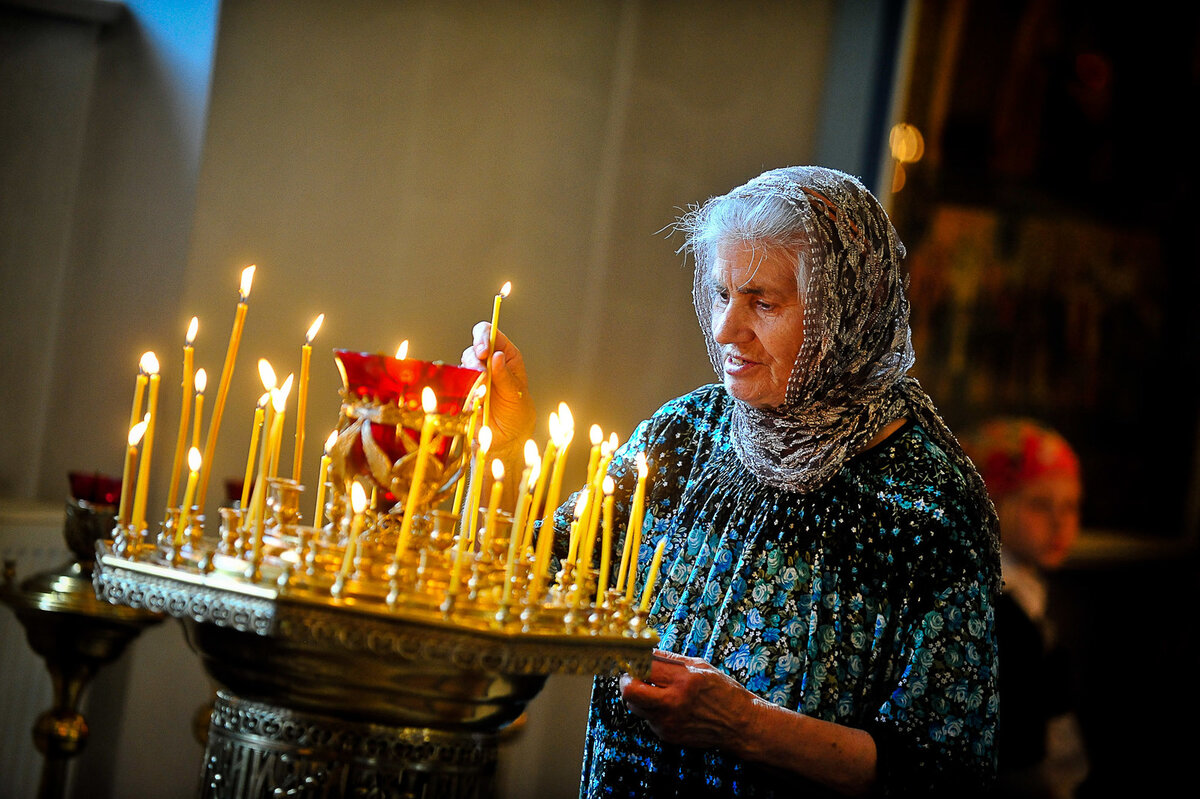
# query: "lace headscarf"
{"type": "Point", "coordinates": [850, 379]}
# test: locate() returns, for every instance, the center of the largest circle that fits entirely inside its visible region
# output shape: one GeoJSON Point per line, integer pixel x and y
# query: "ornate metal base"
{"type": "Point", "coordinates": [257, 751]}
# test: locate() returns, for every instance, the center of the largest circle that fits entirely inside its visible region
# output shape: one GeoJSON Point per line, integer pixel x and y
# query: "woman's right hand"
{"type": "Point", "coordinates": [512, 414]}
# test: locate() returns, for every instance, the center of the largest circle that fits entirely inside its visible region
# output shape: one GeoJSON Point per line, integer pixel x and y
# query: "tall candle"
{"type": "Point", "coordinates": [267, 375]}
{"type": "Point", "coordinates": [277, 442]}
{"type": "Point", "coordinates": [322, 476]}
{"type": "Point", "coordinates": [278, 403]}
{"type": "Point", "coordinates": [189, 494]}
{"type": "Point", "coordinates": [648, 590]}
{"type": "Point", "coordinates": [634, 532]}
{"type": "Point", "coordinates": [487, 397]}
{"type": "Point", "coordinates": [540, 482]}
{"type": "Point", "coordinates": [201, 383]}
{"type": "Point", "coordinates": [302, 395]}
{"type": "Point", "coordinates": [424, 450]}
{"type": "Point", "coordinates": [460, 487]}
{"type": "Point", "coordinates": [255, 432]}
{"type": "Point", "coordinates": [139, 389]}
{"type": "Point", "coordinates": [565, 434]}
{"type": "Point", "coordinates": [214, 424]}
{"type": "Point", "coordinates": [135, 435]}
{"type": "Point", "coordinates": [476, 487]}
{"type": "Point", "coordinates": [184, 412]}
{"type": "Point", "coordinates": [358, 504]}
{"type": "Point", "coordinates": [606, 542]}
{"type": "Point", "coordinates": [577, 531]}
{"type": "Point", "coordinates": [143, 479]}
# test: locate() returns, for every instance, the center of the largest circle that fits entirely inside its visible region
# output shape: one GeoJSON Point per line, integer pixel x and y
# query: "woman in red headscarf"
{"type": "Point", "coordinates": [1034, 478]}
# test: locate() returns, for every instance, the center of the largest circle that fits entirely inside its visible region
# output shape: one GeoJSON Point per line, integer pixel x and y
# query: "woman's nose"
{"type": "Point", "coordinates": [728, 325]}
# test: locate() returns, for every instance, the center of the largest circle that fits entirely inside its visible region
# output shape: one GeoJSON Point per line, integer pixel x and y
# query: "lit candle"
{"type": "Point", "coordinates": [188, 494]}
{"type": "Point", "coordinates": [184, 412]}
{"type": "Point", "coordinates": [460, 488]}
{"type": "Point", "coordinates": [476, 488]}
{"type": "Point", "coordinates": [540, 481]}
{"type": "Point", "coordinates": [135, 435]}
{"type": "Point", "coordinates": [648, 591]}
{"type": "Point", "coordinates": [524, 499]}
{"type": "Point", "coordinates": [577, 530]}
{"type": "Point", "coordinates": [358, 503]}
{"type": "Point", "coordinates": [139, 389]}
{"type": "Point", "coordinates": [597, 437]}
{"type": "Point", "coordinates": [143, 479]}
{"type": "Point", "coordinates": [271, 444]}
{"type": "Point", "coordinates": [606, 543]}
{"type": "Point", "coordinates": [487, 398]}
{"type": "Point", "coordinates": [322, 476]}
{"type": "Point", "coordinates": [565, 433]}
{"type": "Point", "coordinates": [277, 438]}
{"type": "Point", "coordinates": [255, 431]}
{"type": "Point", "coordinates": [267, 374]}
{"type": "Point", "coordinates": [634, 532]}
{"type": "Point", "coordinates": [302, 395]}
{"type": "Point", "coordinates": [489, 525]}
{"type": "Point", "coordinates": [214, 424]}
{"type": "Point", "coordinates": [424, 450]}
{"type": "Point", "coordinates": [201, 383]}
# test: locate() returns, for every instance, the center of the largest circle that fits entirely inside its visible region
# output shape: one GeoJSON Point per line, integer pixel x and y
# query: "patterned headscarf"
{"type": "Point", "coordinates": [851, 378]}
{"type": "Point", "coordinates": [1011, 452]}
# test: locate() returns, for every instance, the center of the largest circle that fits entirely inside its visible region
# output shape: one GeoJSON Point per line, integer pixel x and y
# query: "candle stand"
{"type": "Point", "coordinates": [75, 633]}
{"type": "Point", "coordinates": [375, 651]}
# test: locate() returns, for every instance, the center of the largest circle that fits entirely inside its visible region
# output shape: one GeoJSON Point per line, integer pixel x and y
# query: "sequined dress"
{"type": "Point", "coordinates": [867, 602]}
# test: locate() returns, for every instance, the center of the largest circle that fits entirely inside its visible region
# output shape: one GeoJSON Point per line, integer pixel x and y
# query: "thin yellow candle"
{"type": "Point", "coordinates": [524, 500]}
{"type": "Point", "coordinates": [189, 494]}
{"type": "Point", "coordinates": [476, 488]}
{"type": "Point", "coordinates": [652, 578]}
{"type": "Point", "coordinates": [577, 531]}
{"type": "Point", "coordinates": [139, 388]}
{"type": "Point", "coordinates": [255, 432]}
{"type": "Point", "coordinates": [135, 435]}
{"type": "Point", "coordinates": [201, 383]}
{"type": "Point", "coordinates": [597, 438]}
{"type": "Point", "coordinates": [634, 531]}
{"type": "Point", "coordinates": [143, 479]}
{"type": "Point", "coordinates": [278, 403]}
{"type": "Point", "coordinates": [358, 503]}
{"type": "Point", "coordinates": [322, 476]}
{"type": "Point", "coordinates": [184, 412]}
{"type": "Point", "coordinates": [302, 395]}
{"type": "Point", "coordinates": [493, 508]}
{"type": "Point", "coordinates": [487, 398]}
{"type": "Point", "coordinates": [424, 450]}
{"type": "Point", "coordinates": [606, 542]}
{"type": "Point", "coordinates": [277, 442]}
{"type": "Point", "coordinates": [267, 374]}
{"type": "Point", "coordinates": [540, 482]}
{"type": "Point", "coordinates": [460, 487]}
{"type": "Point", "coordinates": [566, 433]}
{"type": "Point", "coordinates": [214, 424]}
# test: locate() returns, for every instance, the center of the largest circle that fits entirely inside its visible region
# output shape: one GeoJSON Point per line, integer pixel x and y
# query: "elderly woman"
{"type": "Point", "coordinates": [825, 607]}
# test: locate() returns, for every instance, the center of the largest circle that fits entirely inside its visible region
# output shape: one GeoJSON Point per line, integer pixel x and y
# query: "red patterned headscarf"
{"type": "Point", "coordinates": [1010, 452]}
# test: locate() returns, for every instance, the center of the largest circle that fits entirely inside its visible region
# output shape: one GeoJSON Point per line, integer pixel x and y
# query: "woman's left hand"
{"type": "Point", "coordinates": [688, 702]}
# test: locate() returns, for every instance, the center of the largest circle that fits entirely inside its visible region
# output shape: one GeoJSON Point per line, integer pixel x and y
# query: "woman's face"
{"type": "Point", "coordinates": [1039, 522]}
{"type": "Point", "coordinates": [758, 322]}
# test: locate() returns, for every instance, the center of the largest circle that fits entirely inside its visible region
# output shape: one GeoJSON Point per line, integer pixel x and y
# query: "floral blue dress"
{"type": "Point", "coordinates": [868, 602]}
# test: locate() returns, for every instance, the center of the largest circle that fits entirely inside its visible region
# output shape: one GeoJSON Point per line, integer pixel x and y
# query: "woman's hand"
{"type": "Point", "coordinates": [512, 415]}
{"type": "Point", "coordinates": [687, 702]}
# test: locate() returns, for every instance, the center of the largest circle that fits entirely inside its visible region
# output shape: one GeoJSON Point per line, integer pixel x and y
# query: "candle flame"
{"type": "Point", "coordinates": [485, 439]}
{"type": "Point", "coordinates": [609, 485]}
{"type": "Point", "coordinates": [267, 373]}
{"type": "Point", "coordinates": [565, 417]}
{"type": "Point", "coordinates": [497, 469]}
{"type": "Point", "coordinates": [137, 431]}
{"type": "Point", "coordinates": [358, 497]}
{"type": "Point", "coordinates": [286, 388]}
{"type": "Point", "coordinates": [554, 426]}
{"type": "Point", "coordinates": [642, 468]}
{"type": "Point", "coordinates": [402, 350]}
{"type": "Point", "coordinates": [505, 289]}
{"type": "Point", "coordinates": [247, 281]}
{"type": "Point", "coordinates": [264, 399]}
{"type": "Point", "coordinates": [597, 435]}
{"type": "Point", "coordinates": [535, 469]}
{"type": "Point", "coordinates": [329, 442]}
{"type": "Point", "coordinates": [531, 454]}
{"type": "Point", "coordinates": [312, 331]}
{"type": "Point", "coordinates": [581, 503]}
{"type": "Point", "coordinates": [201, 380]}
{"type": "Point", "coordinates": [149, 363]}
{"type": "Point", "coordinates": [278, 400]}
{"type": "Point", "coordinates": [191, 331]}
{"type": "Point", "coordinates": [194, 459]}
{"type": "Point", "coordinates": [428, 400]}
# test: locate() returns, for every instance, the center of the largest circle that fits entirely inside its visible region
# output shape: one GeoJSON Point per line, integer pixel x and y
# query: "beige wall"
{"type": "Point", "coordinates": [390, 165]}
